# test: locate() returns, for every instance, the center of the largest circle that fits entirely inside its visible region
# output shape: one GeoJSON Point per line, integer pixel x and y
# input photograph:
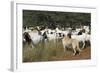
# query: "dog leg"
{"type": "Point", "coordinates": [74, 51]}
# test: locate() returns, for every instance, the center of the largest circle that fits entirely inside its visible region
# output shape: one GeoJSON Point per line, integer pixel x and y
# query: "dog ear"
{"type": "Point", "coordinates": [69, 35]}
{"type": "Point", "coordinates": [63, 35]}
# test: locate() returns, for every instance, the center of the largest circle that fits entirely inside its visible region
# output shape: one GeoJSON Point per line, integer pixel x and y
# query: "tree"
{"type": "Point", "coordinates": [63, 19]}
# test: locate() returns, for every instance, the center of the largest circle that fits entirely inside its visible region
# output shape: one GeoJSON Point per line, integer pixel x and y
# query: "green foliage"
{"type": "Point", "coordinates": [71, 19]}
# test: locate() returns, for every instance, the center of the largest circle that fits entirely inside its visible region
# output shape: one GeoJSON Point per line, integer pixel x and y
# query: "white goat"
{"type": "Point", "coordinates": [34, 38]}
{"type": "Point", "coordinates": [82, 38]}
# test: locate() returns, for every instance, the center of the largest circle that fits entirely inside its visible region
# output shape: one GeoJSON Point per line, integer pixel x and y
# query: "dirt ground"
{"type": "Point", "coordinates": [84, 54]}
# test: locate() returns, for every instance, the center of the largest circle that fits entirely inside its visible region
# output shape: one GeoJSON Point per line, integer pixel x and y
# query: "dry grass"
{"type": "Point", "coordinates": [51, 52]}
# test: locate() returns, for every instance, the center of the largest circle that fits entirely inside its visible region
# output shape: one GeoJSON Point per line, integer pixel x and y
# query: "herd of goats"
{"type": "Point", "coordinates": [69, 37]}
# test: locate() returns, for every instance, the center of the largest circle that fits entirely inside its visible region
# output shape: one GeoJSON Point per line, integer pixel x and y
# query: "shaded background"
{"type": "Point", "coordinates": [33, 18]}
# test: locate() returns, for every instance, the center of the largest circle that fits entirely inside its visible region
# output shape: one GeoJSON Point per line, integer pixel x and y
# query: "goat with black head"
{"type": "Point", "coordinates": [27, 37]}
